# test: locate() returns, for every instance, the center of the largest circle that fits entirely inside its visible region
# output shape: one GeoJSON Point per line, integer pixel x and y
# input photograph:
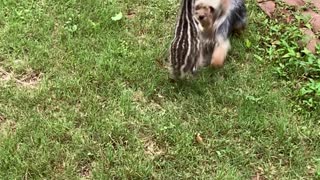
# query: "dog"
{"type": "Point", "coordinates": [219, 19]}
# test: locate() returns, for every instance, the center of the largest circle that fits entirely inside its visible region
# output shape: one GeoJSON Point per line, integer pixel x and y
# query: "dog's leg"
{"type": "Point", "coordinates": [220, 52]}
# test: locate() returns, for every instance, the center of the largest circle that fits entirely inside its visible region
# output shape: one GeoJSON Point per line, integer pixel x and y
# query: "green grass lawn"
{"type": "Point", "coordinates": [84, 96]}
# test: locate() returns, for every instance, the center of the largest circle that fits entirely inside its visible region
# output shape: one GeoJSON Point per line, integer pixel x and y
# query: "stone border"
{"type": "Point", "coordinates": [311, 8]}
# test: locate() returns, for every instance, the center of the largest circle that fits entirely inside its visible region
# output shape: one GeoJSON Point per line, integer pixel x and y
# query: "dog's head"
{"type": "Point", "coordinates": [205, 15]}
{"type": "Point", "coordinates": [208, 11]}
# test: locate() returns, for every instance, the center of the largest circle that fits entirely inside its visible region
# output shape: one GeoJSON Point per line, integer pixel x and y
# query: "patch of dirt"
{"type": "Point", "coordinates": [2, 119]}
{"type": "Point", "coordinates": [138, 96]}
{"type": "Point", "coordinates": [4, 75]}
{"type": "Point", "coordinates": [28, 80]}
{"type": "Point", "coordinates": [311, 170]}
{"type": "Point", "coordinates": [144, 104]}
{"type": "Point", "coordinates": [59, 167]}
{"type": "Point", "coordinates": [258, 175]}
{"type": "Point", "coordinates": [130, 14]}
{"type": "Point", "coordinates": [86, 171]}
{"type": "Point", "coordinates": [151, 148]}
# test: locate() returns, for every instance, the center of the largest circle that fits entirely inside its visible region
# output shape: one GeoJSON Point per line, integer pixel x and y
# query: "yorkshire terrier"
{"type": "Point", "coordinates": [219, 19]}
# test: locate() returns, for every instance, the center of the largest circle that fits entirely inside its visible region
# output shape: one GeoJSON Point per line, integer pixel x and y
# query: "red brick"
{"type": "Point", "coordinates": [316, 3]}
{"type": "Point", "coordinates": [311, 40]}
{"type": "Point", "coordinates": [314, 21]}
{"type": "Point", "coordinates": [268, 7]}
{"type": "Point", "coordinates": [294, 2]}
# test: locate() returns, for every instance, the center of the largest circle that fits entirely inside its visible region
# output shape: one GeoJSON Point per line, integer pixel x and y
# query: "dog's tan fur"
{"type": "Point", "coordinates": [220, 53]}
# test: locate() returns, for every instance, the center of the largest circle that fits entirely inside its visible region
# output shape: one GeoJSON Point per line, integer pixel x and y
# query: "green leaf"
{"type": "Point", "coordinates": [248, 43]}
{"type": "Point", "coordinates": [117, 17]}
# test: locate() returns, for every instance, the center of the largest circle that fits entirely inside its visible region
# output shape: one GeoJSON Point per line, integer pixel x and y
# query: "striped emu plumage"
{"type": "Point", "coordinates": [185, 47]}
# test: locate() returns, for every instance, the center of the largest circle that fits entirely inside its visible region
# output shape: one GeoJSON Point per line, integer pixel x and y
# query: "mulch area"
{"type": "Point", "coordinates": [289, 8]}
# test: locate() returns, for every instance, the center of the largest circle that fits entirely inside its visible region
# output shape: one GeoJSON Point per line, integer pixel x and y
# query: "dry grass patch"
{"type": "Point", "coordinates": [7, 127]}
{"type": "Point", "coordinates": [30, 79]}
{"type": "Point", "coordinates": [4, 75]}
{"type": "Point", "coordinates": [151, 148]}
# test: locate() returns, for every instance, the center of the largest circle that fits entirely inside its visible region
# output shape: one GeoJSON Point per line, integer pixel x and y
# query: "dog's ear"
{"type": "Point", "coordinates": [225, 2]}
{"type": "Point", "coordinates": [223, 8]}
{"type": "Point", "coordinates": [224, 5]}
{"type": "Point", "coordinates": [211, 9]}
